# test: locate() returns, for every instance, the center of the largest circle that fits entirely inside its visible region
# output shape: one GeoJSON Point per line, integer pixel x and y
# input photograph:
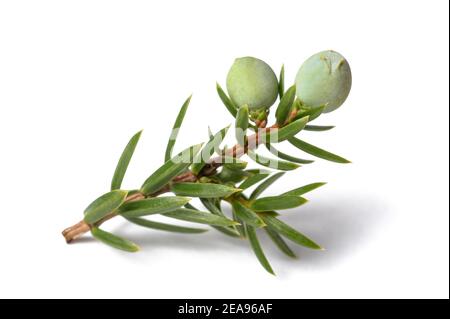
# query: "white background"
{"type": "Point", "coordinates": [78, 78]}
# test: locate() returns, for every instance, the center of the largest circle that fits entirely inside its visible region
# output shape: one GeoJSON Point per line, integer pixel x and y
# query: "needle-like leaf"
{"type": "Point", "coordinates": [226, 101]}
{"type": "Point", "coordinates": [257, 249]}
{"type": "Point", "coordinates": [277, 203]}
{"type": "Point", "coordinates": [281, 83]}
{"type": "Point", "coordinates": [313, 112]}
{"type": "Point", "coordinates": [258, 171]}
{"type": "Point", "coordinates": [318, 152]}
{"type": "Point", "coordinates": [104, 205]}
{"type": "Point", "coordinates": [279, 242]}
{"type": "Point", "coordinates": [215, 209]}
{"type": "Point", "coordinates": [285, 156]}
{"type": "Point", "coordinates": [124, 160]}
{"type": "Point", "coordinates": [279, 135]}
{"type": "Point", "coordinates": [149, 206]}
{"type": "Point", "coordinates": [303, 189]}
{"type": "Point", "coordinates": [170, 169]}
{"type": "Point", "coordinates": [269, 213]}
{"type": "Point", "coordinates": [264, 185]}
{"type": "Point", "coordinates": [165, 227]}
{"type": "Point", "coordinates": [288, 232]}
{"type": "Point", "coordinates": [241, 124]}
{"type": "Point", "coordinates": [318, 128]}
{"type": "Point", "coordinates": [200, 217]}
{"type": "Point", "coordinates": [239, 228]}
{"type": "Point", "coordinates": [210, 133]}
{"type": "Point", "coordinates": [133, 192]}
{"type": "Point", "coordinates": [247, 215]}
{"type": "Point", "coordinates": [234, 163]}
{"type": "Point", "coordinates": [211, 207]}
{"type": "Point", "coordinates": [231, 175]}
{"type": "Point", "coordinates": [285, 106]}
{"type": "Point", "coordinates": [176, 128]}
{"type": "Point", "coordinates": [253, 179]}
{"type": "Point", "coordinates": [113, 240]}
{"type": "Point", "coordinates": [204, 190]}
{"type": "Point", "coordinates": [272, 163]}
{"type": "Point", "coordinates": [207, 151]}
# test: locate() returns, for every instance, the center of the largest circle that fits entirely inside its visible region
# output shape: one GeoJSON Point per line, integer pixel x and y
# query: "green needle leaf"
{"type": "Point", "coordinates": [284, 133]}
{"type": "Point", "coordinates": [303, 189]}
{"type": "Point", "coordinates": [258, 171]}
{"type": "Point", "coordinates": [170, 169]}
{"type": "Point", "coordinates": [124, 160]}
{"type": "Point", "coordinates": [239, 228]}
{"type": "Point", "coordinates": [279, 242]}
{"type": "Point", "coordinates": [211, 207]}
{"type": "Point", "coordinates": [234, 163]}
{"type": "Point", "coordinates": [200, 217]}
{"type": "Point", "coordinates": [318, 128]}
{"type": "Point", "coordinates": [256, 246]}
{"type": "Point", "coordinates": [210, 133]}
{"type": "Point", "coordinates": [231, 175]}
{"type": "Point", "coordinates": [204, 190]}
{"type": "Point", "coordinates": [208, 150]}
{"type": "Point", "coordinates": [285, 156]}
{"type": "Point", "coordinates": [292, 129]}
{"type": "Point", "coordinates": [313, 112]}
{"type": "Point", "coordinates": [253, 179]}
{"type": "Point", "coordinates": [269, 213]}
{"type": "Point", "coordinates": [133, 192]}
{"type": "Point", "coordinates": [215, 209]}
{"type": "Point", "coordinates": [277, 202]}
{"type": "Point", "coordinates": [104, 205]}
{"type": "Point", "coordinates": [176, 128]}
{"type": "Point", "coordinates": [227, 230]}
{"type": "Point", "coordinates": [318, 152]}
{"type": "Point", "coordinates": [281, 83]}
{"type": "Point", "coordinates": [247, 215]}
{"type": "Point", "coordinates": [264, 185]}
{"type": "Point", "coordinates": [272, 163]}
{"type": "Point", "coordinates": [166, 227]}
{"type": "Point", "coordinates": [226, 101]}
{"type": "Point", "coordinates": [241, 124]}
{"type": "Point", "coordinates": [285, 105]}
{"type": "Point", "coordinates": [113, 240]}
{"type": "Point", "coordinates": [156, 205]}
{"type": "Point", "coordinates": [288, 232]}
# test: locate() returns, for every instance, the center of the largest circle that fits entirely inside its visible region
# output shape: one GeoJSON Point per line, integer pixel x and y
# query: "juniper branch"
{"type": "Point", "coordinates": [253, 88]}
{"type": "Point", "coordinates": [77, 230]}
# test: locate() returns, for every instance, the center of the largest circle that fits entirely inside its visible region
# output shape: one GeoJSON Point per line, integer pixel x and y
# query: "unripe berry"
{"type": "Point", "coordinates": [324, 79]}
{"type": "Point", "coordinates": [252, 82]}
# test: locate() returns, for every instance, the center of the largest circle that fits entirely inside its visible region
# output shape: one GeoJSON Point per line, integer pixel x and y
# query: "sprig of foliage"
{"type": "Point", "coordinates": [225, 179]}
